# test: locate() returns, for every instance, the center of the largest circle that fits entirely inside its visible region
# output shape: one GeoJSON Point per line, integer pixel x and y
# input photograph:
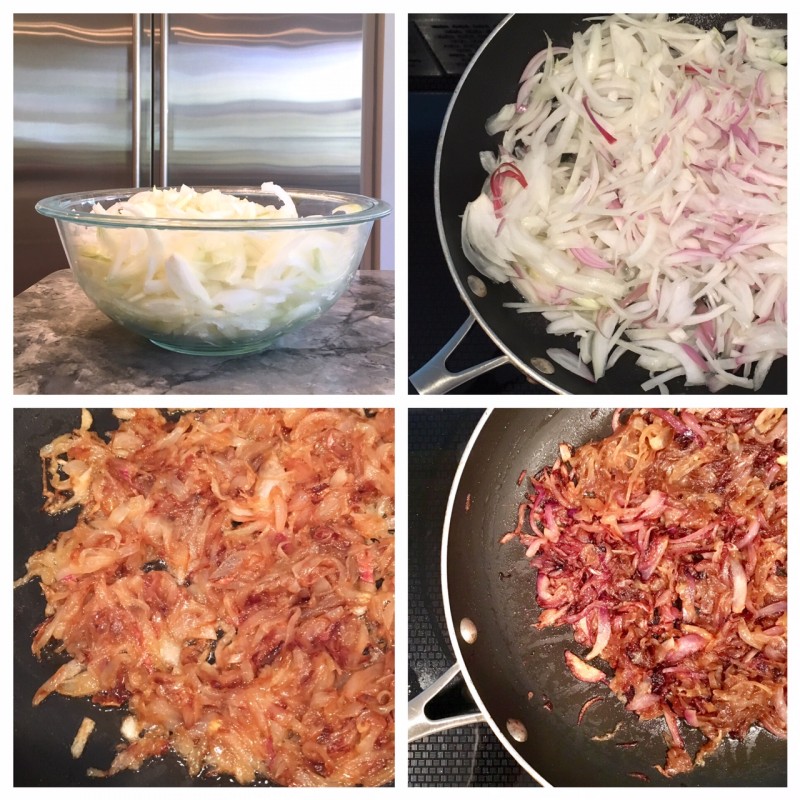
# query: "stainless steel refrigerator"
{"type": "Point", "coordinates": [118, 100]}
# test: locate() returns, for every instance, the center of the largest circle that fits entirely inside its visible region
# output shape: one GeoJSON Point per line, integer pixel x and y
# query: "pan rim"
{"type": "Point", "coordinates": [451, 629]}
{"type": "Point", "coordinates": [465, 296]}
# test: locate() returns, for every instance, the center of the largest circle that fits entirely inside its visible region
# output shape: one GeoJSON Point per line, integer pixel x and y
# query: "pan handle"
{"type": "Point", "coordinates": [435, 378]}
{"type": "Point", "coordinates": [419, 724]}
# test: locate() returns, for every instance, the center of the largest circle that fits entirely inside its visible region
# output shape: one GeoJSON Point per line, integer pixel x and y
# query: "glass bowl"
{"type": "Point", "coordinates": [214, 286]}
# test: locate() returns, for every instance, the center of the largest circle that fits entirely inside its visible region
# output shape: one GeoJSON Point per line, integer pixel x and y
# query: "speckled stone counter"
{"type": "Point", "coordinates": [64, 345]}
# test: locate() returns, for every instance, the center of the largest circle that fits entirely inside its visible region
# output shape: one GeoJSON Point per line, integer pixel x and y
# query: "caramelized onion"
{"type": "Point", "coordinates": [230, 582]}
{"type": "Point", "coordinates": [664, 547]}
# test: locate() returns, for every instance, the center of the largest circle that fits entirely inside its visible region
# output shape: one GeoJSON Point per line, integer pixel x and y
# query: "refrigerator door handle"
{"type": "Point", "coordinates": [136, 111]}
{"type": "Point", "coordinates": [163, 104]}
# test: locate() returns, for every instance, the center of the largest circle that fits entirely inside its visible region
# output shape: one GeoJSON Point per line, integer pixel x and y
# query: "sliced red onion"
{"type": "Point", "coordinates": [650, 559]}
{"type": "Point", "coordinates": [499, 176]}
{"type": "Point", "coordinates": [671, 420]}
{"type": "Point", "coordinates": [771, 610]}
{"type": "Point", "coordinates": [779, 701]}
{"type": "Point", "coordinates": [691, 203]}
{"type": "Point", "coordinates": [684, 646]}
{"type": "Point", "coordinates": [652, 505]}
{"type": "Point", "coordinates": [641, 702]}
{"type": "Point", "coordinates": [739, 585]}
{"type": "Point", "coordinates": [551, 528]}
{"type": "Point", "coordinates": [581, 670]}
{"type": "Point", "coordinates": [693, 425]}
{"type": "Point", "coordinates": [587, 705]}
{"type": "Point", "coordinates": [672, 726]}
{"type": "Point", "coordinates": [544, 597]}
{"type": "Point", "coordinates": [603, 634]}
{"type": "Point", "coordinates": [691, 718]}
{"type": "Point", "coordinates": [606, 135]}
{"type": "Point", "coordinates": [590, 257]}
{"type": "Point", "coordinates": [366, 568]}
{"type": "Point", "coordinates": [648, 572]}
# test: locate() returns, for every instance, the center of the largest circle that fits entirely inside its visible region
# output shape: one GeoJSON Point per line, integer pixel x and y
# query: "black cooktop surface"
{"type": "Point", "coordinates": [466, 756]}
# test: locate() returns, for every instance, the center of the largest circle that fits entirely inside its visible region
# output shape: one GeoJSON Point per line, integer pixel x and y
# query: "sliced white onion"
{"type": "Point", "coordinates": [215, 286]}
{"type": "Point", "coordinates": [651, 153]}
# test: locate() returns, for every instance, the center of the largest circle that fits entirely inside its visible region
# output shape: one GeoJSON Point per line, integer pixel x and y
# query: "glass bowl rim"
{"type": "Point", "coordinates": [62, 207]}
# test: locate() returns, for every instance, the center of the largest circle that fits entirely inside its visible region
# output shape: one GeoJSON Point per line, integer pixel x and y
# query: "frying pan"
{"type": "Point", "coordinates": [515, 673]}
{"type": "Point", "coordinates": [43, 735]}
{"type": "Point", "coordinates": [490, 80]}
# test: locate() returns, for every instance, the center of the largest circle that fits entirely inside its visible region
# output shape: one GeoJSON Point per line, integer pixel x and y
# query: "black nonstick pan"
{"type": "Point", "coordinates": [491, 80]}
{"type": "Point", "coordinates": [515, 673]}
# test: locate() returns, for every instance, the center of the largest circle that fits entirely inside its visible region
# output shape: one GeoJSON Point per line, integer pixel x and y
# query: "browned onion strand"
{"type": "Point", "coordinates": [230, 581]}
{"type": "Point", "coordinates": [664, 547]}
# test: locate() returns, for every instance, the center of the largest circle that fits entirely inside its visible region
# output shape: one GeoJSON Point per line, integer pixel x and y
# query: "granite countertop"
{"type": "Point", "coordinates": [64, 345]}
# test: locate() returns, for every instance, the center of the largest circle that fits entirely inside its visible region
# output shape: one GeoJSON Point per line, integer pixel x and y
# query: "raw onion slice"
{"type": "Point", "coordinates": [649, 163]}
